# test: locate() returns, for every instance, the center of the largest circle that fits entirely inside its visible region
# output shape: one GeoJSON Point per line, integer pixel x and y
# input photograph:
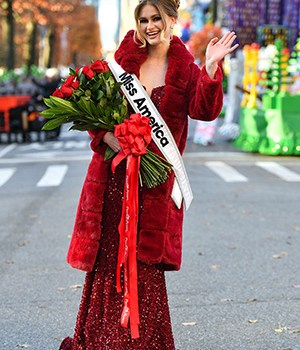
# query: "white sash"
{"type": "Point", "coordinates": [161, 134]}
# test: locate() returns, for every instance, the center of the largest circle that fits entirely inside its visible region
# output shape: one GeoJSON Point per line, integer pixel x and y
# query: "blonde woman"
{"type": "Point", "coordinates": [178, 88]}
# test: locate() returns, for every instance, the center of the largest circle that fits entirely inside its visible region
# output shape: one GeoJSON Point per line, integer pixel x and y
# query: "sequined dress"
{"type": "Point", "coordinates": [98, 321]}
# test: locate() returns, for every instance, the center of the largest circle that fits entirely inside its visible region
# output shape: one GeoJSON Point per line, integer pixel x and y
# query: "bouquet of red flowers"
{"type": "Point", "coordinates": [90, 98]}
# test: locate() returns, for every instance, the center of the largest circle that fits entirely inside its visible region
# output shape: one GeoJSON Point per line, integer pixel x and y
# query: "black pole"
{"type": "Point", "coordinates": [32, 59]}
{"type": "Point", "coordinates": [52, 39]}
{"type": "Point", "coordinates": [281, 12]}
{"type": "Point", "coordinates": [10, 59]}
{"type": "Point", "coordinates": [267, 12]}
{"type": "Point", "coordinates": [215, 11]}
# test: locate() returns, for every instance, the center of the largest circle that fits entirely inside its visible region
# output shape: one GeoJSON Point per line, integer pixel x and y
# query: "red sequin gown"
{"type": "Point", "coordinates": [98, 322]}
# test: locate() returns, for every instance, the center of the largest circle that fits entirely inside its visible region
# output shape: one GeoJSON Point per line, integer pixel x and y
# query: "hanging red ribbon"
{"type": "Point", "coordinates": [134, 135]}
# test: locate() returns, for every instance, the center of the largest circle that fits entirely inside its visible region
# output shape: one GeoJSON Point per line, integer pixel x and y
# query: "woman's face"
{"type": "Point", "coordinates": [151, 25]}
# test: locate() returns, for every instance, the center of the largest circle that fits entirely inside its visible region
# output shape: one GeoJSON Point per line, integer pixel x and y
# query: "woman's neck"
{"type": "Point", "coordinates": [159, 52]}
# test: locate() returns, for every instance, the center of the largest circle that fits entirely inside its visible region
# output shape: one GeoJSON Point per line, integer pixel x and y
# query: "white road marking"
{"type": "Point", "coordinates": [35, 146]}
{"type": "Point", "coordinates": [280, 171]}
{"type": "Point", "coordinates": [76, 144]}
{"type": "Point", "coordinates": [6, 174]}
{"type": "Point", "coordinates": [226, 172]}
{"type": "Point", "coordinates": [53, 157]}
{"type": "Point", "coordinates": [191, 155]}
{"type": "Point", "coordinates": [53, 176]}
{"type": "Point", "coordinates": [57, 145]}
{"type": "Point", "coordinates": [70, 144]}
{"type": "Point", "coordinates": [7, 149]}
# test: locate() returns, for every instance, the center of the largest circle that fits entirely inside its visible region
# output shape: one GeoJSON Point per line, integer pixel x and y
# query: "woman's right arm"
{"type": "Point", "coordinates": [101, 138]}
{"type": "Point", "coordinates": [110, 139]}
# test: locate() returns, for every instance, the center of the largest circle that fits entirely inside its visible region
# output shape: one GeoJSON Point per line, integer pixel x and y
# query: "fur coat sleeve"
{"type": "Point", "coordinates": [84, 243]}
{"type": "Point", "coordinates": [205, 94]}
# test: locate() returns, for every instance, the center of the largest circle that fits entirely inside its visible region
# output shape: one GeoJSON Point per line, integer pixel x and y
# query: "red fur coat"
{"type": "Point", "coordinates": [188, 91]}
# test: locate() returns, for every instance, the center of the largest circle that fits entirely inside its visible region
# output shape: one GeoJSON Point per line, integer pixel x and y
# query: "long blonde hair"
{"type": "Point", "coordinates": [164, 8]}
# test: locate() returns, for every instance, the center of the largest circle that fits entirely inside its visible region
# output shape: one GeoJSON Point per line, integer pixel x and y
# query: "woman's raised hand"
{"type": "Point", "coordinates": [217, 49]}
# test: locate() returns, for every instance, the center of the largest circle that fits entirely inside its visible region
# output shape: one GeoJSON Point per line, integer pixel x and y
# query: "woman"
{"type": "Point", "coordinates": [178, 88]}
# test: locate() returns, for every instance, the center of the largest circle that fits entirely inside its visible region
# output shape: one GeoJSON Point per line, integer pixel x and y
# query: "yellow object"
{"type": "Point", "coordinates": [246, 52]}
{"type": "Point", "coordinates": [251, 77]}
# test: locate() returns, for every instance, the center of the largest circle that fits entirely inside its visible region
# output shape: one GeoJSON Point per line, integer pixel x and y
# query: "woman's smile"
{"type": "Point", "coordinates": [152, 35]}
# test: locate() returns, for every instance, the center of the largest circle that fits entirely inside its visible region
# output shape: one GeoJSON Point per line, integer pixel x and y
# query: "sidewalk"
{"type": "Point", "coordinates": [220, 144]}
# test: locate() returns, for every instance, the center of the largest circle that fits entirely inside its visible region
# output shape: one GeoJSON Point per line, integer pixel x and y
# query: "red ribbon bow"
{"type": "Point", "coordinates": [134, 135]}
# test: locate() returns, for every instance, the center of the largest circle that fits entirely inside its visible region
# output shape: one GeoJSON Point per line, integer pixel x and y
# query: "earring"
{"type": "Point", "coordinates": [171, 32]}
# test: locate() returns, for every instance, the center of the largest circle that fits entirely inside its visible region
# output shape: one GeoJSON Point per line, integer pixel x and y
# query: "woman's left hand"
{"type": "Point", "coordinates": [217, 50]}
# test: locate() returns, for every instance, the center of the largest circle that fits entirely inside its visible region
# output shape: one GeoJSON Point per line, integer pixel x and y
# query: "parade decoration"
{"type": "Point", "coordinates": [199, 40]}
{"type": "Point", "coordinates": [244, 17]}
{"type": "Point", "coordinates": [294, 67]}
{"type": "Point", "coordinates": [268, 34]}
{"type": "Point", "coordinates": [91, 99]}
{"type": "Point", "coordinates": [271, 127]}
{"type": "Point", "coordinates": [251, 77]}
{"type": "Point", "coordinates": [291, 15]}
{"type": "Point", "coordinates": [271, 18]}
{"type": "Point", "coordinates": [277, 78]}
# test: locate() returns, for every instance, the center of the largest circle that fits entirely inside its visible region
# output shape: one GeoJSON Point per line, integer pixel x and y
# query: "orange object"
{"type": "Point", "coordinates": [8, 102]}
{"type": "Point", "coordinates": [33, 115]}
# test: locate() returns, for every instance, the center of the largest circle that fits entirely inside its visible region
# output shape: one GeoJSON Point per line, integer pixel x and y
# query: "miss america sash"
{"type": "Point", "coordinates": [161, 134]}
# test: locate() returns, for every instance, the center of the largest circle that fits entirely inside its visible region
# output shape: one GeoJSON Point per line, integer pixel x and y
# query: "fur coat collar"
{"type": "Point", "coordinates": [130, 56]}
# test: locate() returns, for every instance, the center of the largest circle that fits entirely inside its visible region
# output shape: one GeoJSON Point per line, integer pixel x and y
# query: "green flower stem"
{"type": "Point", "coordinates": [151, 174]}
{"type": "Point", "coordinates": [157, 156]}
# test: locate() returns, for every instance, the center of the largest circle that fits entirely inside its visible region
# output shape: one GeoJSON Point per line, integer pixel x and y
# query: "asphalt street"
{"type": "Point", "coordinates": [239, 286]}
